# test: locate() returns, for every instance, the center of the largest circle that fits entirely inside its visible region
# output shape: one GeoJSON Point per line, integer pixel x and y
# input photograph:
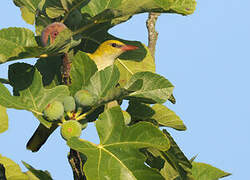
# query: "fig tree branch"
{"type": "Point", "coordinates": [152, 33]}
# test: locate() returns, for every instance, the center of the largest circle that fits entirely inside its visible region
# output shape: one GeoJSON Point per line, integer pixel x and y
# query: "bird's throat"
{"type": "Point", "coordinates": [104, 61]}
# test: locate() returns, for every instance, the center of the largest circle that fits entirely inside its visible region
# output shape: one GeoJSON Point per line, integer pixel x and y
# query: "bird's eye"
{"type": "Point", "coordinates": [114, 45]}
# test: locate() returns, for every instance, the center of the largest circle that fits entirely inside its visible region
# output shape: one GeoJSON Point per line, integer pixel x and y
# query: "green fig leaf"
{"type": "Point", "coordinates": [54, 12]}
{"type": "Point", "coordinates": [31, 175]}
{"type": "Point", "coordinates": [27, 15]}
{"type": "Point", "coordinates": [102, 81]}
{"type": "Point", "coordinates": [63, 42]}
{"type": "Point", "coordinates": [34, 98]}
{"type": "Point", "coordinates": [175, 157]}
{"type": "Point", "coordinates": [95, 19]}
{"type": "Point", "coordinates": [139, 111]}
{"type": "Point", "coordinates": [130, 7]}
{"type": "Point", "coordinates": [154, 161]}
{"type": "Point", "coordinates": [168, 172]}
{"type": "Point", "coordinates": [55, 9]}
{"type": "Point", "coordinates": [155, 88]}
{"type": "Point", "coordinates": [202, 171]}
{"type": "Point", "coordinates": [115, 93]}
{"type": "Point", "coordinates": [28, 9]}
{"type": "Point", "coordinates": [12, 170]}
{"type": "Point", "coordinates": [82, 69]}
{"type": "Point", "coordinates": [16, 43]}
{"type": "Point", "coordinates": [128, 66]}
{"type": "Point", "coordinates": [42, 175]}
{"type": "Point", "coordinates": [166, 117]}
{"type": "Point", "coordinates": [3, 119]}
{"type": "Point", "coordinates": [22, 44]}
{"type": "Point", "coordinates": [119, 147]}
{"type": "Point", "coordinates": [50, 69]}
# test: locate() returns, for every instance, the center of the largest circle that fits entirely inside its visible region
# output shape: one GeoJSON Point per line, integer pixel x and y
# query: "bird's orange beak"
{"type": "Point", "coordinates": [129, 47]}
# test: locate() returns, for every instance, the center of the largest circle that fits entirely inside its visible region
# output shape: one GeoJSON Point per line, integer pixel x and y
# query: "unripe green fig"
{"type": "Point", "coordinates": [69, 104]}
{"type": "Point", "coordinates": [84, 98]}
{"type": "Point", "coordinates": [127, 117]}
{"type": "Point", "coordinates": [51, 31]}
{"type": "Point", "coordinates": [54, 111]}
{"type": "Point", "coordinates": [71, 128]}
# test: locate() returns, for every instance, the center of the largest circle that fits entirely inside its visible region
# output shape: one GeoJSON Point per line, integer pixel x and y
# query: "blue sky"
{"type": "Point", "coordinates": [205, 55]}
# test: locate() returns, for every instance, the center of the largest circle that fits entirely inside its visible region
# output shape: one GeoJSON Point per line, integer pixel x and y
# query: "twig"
{"type": "Point", "coordinates": [152, 33]}
{"type": "Point", "coordinates": [4, 81]}
{"type": "Point", "coordinates": [152, 39]}
{"type": "Point", "coordinates": [66, 69]}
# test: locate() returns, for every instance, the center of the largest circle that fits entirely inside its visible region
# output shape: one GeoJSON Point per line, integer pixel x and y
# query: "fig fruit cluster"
{"type": "Point", "coordinates": [56, 109]}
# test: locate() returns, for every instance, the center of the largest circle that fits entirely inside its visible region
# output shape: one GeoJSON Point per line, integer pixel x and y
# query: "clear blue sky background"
{"type": "Point", "coordinates": [205, 55]}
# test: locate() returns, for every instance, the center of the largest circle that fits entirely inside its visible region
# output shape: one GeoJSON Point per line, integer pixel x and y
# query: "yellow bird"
{"type": "Point", "coordinates": [104, 56]}
{"type": "Point", "coordinates": [108, 51]}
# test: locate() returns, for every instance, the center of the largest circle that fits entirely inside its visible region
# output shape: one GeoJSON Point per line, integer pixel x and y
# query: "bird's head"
{"type": "Point", "coordinates": [113, 49]}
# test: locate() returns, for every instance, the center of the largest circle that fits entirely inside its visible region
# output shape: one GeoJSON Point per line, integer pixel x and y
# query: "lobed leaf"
{"type": "Point", "coordinates": [117, 155]}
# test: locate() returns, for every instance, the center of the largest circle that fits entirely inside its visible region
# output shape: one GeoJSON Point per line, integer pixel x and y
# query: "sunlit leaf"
{"type": "Point", "coordinates": [202, 171]}
{"type": "Point", "coordinates": [12, 170]}
{"type": "Point", "coordinates": [14, 42]}
{"type": "Point", "coordinates": [130, 7]}
{"type": "Point", "coordinates": [3, 119]}
{"type": "Point", "coordinates": [102, 81]}
{"type": "Point", "coordinates": [176, 158]}
{"type": "Point", "coordinates": [166, 117]}
{"type": "Point", "coordinates": [82, 70]}
{"type": "Point", "coordinates": [118, 154]}
{"type": "Point", "coordinates": [42, 175]}
{"type": "Point", "coordinates": [155, 88]}
{"type": "Point", "coordinates": [28, 9]}
{"type": "Point", "coordinates": [128, 67]}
